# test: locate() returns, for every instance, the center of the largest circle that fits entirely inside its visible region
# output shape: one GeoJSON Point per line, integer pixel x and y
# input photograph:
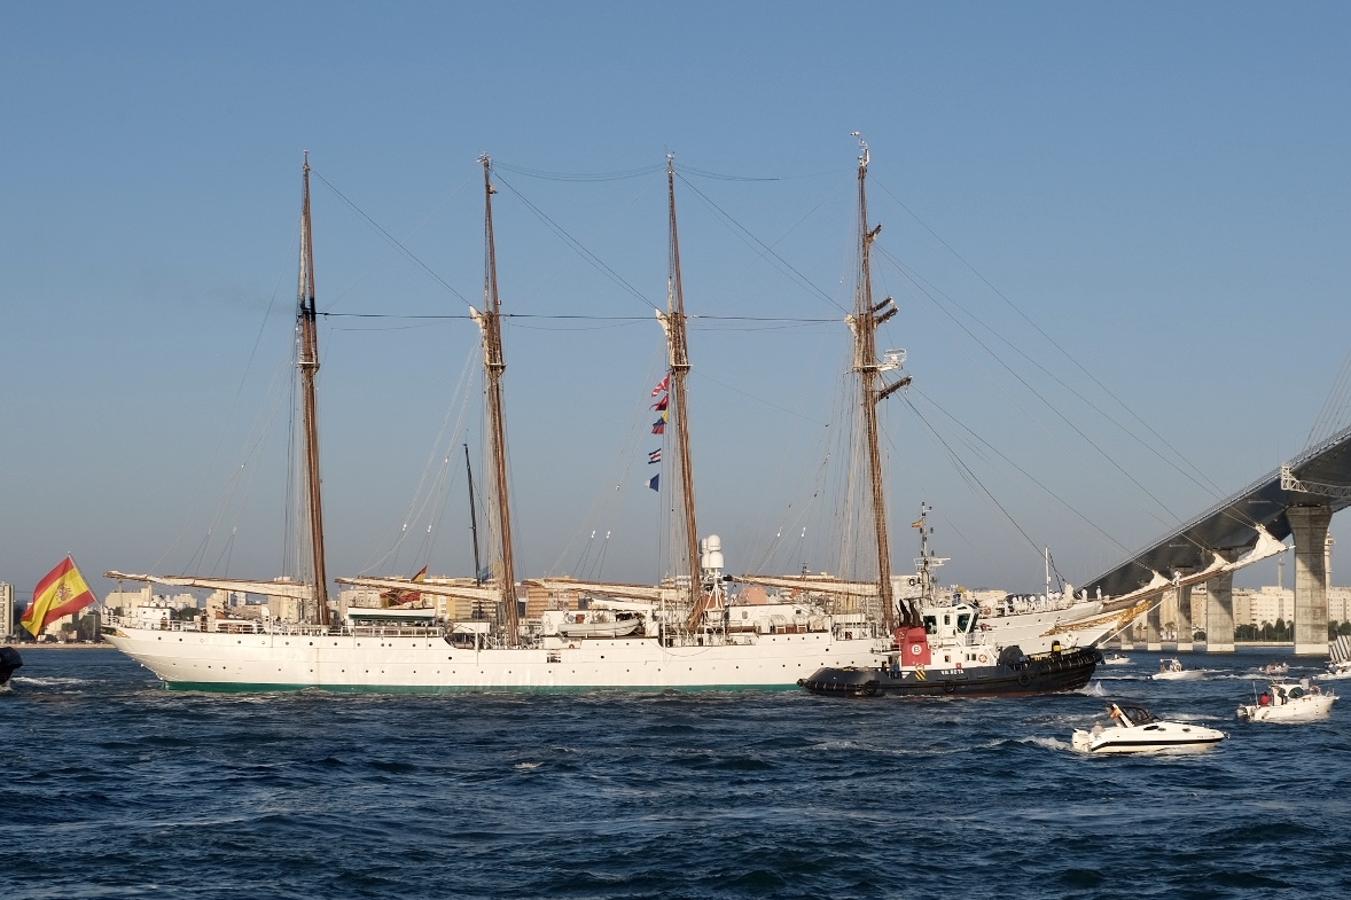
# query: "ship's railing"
{"type": "Point", "coordinates": [272, 627]}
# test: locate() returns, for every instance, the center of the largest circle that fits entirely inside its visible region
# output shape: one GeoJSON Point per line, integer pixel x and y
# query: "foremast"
{"type": "Point", "coordinates": [489, 320]}
{"type": "Point", "coordinates": [673, 322]}
{"type": "Point", "coordinates": [864, 321]}
{"type": "Point", "coordinates": [307, 361]}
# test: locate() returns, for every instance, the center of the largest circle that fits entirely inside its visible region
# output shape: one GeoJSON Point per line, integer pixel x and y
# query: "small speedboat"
{"type": "Point", "coordinates": [1290, 701]}
{"type": "Point", "coordinates": [1117, 659]}
{"type": "Point", "coordinates": [1171, 670]}
{"type": "Point", "coordinates": [1275, 669]}
{"type": "Point", "coordinates": [9, 661]}
{"type": "Point", "coordinates": [1135, 729]}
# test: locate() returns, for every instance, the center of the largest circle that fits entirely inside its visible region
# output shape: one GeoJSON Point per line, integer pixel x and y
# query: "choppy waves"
{"type": "Point", "coordinates": [132, 790]}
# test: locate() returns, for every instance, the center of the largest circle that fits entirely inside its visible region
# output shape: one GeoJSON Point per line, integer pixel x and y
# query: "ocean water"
{"type": "Point", "coordinates": [113, 786]}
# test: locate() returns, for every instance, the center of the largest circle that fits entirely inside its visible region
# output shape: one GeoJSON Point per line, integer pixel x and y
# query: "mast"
{"type": "Point", "coordinates": [473, 516]}
{"type": "Point", "coordinates": [864, 321]}
{"type": "Point", "coordinates": [494, 365]}
{"type": "Point", "coordinates": [307, 361]}
{"type": "Point", "coordinates": [673, 323]}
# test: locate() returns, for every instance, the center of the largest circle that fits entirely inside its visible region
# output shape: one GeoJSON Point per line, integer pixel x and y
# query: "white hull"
{"type": "Point", "coordinates": [1186, 675]}
{"type": "Point", "coordinates": [427, 662]}
{"type": "Point", "coordinates": [1309, 708]}
{"type": "Point", "coordinates": [1034, 632]}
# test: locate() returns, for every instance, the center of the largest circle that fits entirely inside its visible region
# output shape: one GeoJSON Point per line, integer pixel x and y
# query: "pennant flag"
{"type": "Point", "coordinates": [662, 403]}
{"type": "Point", "coordinates": [654, 481]}
{"type": "Point", "coordinates": [654, 456]}
{"type": "Point", "coordinates": [394, 597]}
{"type": "Point", "coordinates": [659, 426]}
{"type": "Point", "coordinates": [665, 383]}
{"type": "Point", "coordinates": [918, 523]}
{"type": "Point", "coordinates": [62, 591]}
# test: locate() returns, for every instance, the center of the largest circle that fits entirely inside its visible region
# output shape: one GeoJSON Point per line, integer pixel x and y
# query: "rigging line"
{"type": "Point", "coordinates": [391, 238]}
{"type": "Point", "coordinates": [577, 246]}
{"type": "Point", "coordinates": [706, 317]}
{"type": "Point", "coordinates": [1061, 500]}
{"type": "Point", "coordinates": [719, 176]}
{"type": "Point", "coordinates": [957, 460]}
{"type": "Point", "coordinates": [1207, 485]}
{"type": "Point", "coordinates": [915, 279]}
{"type": "Point", "coordinates": [803, 279]}
{"type": "Point", "coordinates": [986, 347]}
{"type": "Point", "coordinates": [1054, 343]}
{"type": "Point", "coordinates": [704, 376]}
{"type": "Point", "coordinates": [619, 175]}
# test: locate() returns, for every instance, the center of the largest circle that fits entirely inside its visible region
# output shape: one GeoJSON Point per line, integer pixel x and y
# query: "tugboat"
{"type": "Point", "coordinates": [9, 661]}
{"type": "Point", "coordinates": [948, 655]}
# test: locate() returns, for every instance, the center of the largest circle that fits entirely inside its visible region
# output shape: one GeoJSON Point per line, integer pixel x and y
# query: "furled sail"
{"type": "Point", "coordinates": [296, 589]}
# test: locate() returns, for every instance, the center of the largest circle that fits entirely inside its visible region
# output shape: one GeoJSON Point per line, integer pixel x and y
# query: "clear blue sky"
{"type": "Point", "coordinates": [1162, 187]}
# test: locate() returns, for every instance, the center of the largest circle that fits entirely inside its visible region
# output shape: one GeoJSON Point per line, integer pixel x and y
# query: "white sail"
{"type": "Point", "coordinates": [298, 590]}
{"type": "Point", "coordinates": [439, 589]}
{"type": "Point", "coordinates": [812, 585]}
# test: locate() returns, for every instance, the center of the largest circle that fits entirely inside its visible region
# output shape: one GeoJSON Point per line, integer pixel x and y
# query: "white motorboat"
{"type": "Point", "coordinates": [1171, 670]}
{"type": "Point", "coordinates": [1275, 670]}
{"type": "Point", "coordinates": [1117, 659]}
{"type": "Point", "coordinates": [1291, 702]}
{"type": "Point", "coordinates": [1135, 729]}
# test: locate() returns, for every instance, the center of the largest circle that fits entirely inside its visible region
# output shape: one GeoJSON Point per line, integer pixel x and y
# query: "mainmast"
{"type": "Point", "coordinates": [307, 361]}
{"type": "Point", "coordinates": [673, 323]}
{"type": "Point", "coordinates": [494, 364]}
{"type": "Point", "coordinates": [866, 317]}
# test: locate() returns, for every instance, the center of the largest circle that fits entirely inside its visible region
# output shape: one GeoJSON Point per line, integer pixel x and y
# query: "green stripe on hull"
{"type": "Point", "coordinates": [236, 688]}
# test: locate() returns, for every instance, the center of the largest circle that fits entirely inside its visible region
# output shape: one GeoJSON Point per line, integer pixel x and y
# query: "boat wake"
{"type": "Point", "coordinates": [1047, 743]}
{"type": "Point", "coordinates": [48, 681]}
{"type": "Point", "coordinates": [1093, 689]}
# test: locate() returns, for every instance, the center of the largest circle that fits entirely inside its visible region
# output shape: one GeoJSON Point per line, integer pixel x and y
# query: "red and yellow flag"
{"type": "Point", "coordinates": [62, 591]}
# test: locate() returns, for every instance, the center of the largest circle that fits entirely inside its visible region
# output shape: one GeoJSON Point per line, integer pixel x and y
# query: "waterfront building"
{"type": "Point", "coordinates": [7, 625]}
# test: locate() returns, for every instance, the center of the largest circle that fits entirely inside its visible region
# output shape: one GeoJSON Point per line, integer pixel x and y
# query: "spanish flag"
{"type": "Point", "coordinates": [61, 592]}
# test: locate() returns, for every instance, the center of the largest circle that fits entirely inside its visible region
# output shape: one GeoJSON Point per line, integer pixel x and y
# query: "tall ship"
{"type": "Point", "coordinates": [683, 633]}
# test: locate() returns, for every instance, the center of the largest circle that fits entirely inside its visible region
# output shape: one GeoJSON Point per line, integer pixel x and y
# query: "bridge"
{"type": "Point", "coordinates": [1296, 499]}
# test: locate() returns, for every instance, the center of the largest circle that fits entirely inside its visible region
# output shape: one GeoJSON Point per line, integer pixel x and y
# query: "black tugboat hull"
{"type": "Point", "coordinates": [1048, 673]}
{"type": "Point", "coordinates": [9, 661]}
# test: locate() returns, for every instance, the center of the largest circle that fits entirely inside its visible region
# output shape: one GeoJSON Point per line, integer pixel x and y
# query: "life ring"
{"type": "Point", "coordinates": [916, 649]}
{"type": "Point", "coordinates": [1024, 679]}
{"type": "Point", "coordinates": [912, 582]}
{"type": "Point", "coordinates": [984, 658]}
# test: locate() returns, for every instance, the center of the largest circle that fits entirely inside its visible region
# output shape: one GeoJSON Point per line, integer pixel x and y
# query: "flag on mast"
{"type": "Point", "coordinates": [654, 482]}
{"type": "Point", "coordinates": [661, 404]}
{"type": "Point", "coordinates": [664, 385]}
{"type": "Point", "coordinates": [61, 592]}
{"type": "Point", "coordinates": [654, 456]}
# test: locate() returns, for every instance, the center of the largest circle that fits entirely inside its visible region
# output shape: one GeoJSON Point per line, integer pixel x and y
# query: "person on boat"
{"type": "Point", "coordinates": [1264, 700]}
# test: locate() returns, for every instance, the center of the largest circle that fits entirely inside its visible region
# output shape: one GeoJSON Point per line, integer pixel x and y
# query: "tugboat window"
{"type": "Point", "coordinates": [964, 622]}
{"type": "Point", "coordinates": [931, 624]}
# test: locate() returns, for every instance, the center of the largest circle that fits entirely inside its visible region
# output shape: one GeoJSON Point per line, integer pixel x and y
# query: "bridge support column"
{"type": "Point", "coordinates": [1309, 525]}
{"type": "Point", "coordinates": [1184, 618]}
{"type": "Point", "coordinates": [1153, 628]}
{"type": "Point", "coordinates": [1220, 614]}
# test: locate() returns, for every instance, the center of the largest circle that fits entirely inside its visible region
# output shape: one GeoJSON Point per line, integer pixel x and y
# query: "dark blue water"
{"type": "Point", "coordinates": [115, 787]}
